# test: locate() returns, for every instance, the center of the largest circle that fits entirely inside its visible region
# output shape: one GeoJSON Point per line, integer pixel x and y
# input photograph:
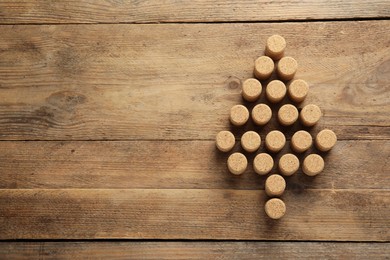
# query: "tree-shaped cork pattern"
{"type": "Point", "coordinates": [284, 87]}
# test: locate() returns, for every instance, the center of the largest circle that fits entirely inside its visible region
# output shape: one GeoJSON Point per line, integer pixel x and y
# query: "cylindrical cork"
{"type": "Point", "coordinates": [237, 163]}
{"type": "Point", "coordinates": [275, 47]}
{"type": "Point", "coordinates": [263, 163]}
{"type": "Point", "coordinates": [261, 114]}
{"type": "Point", "coordinates": [251, 89]}
{"type": "Point", "coordinates": [301, 141]}
{"type": "Point", "coordinates": [250, 141]}
{"type": "Point", "coordinates": [297, 90]}
{"type": "Point", "coordinates": [288, 164]}
{"type": "Point", "coordinates": [286, 68]}
{"type": "Point", "coordinates": [310, 115]}
{"type": "Point", "coordinates": [313, 164]}
{"type": "Point", "coordinates": [239, 115]}
{"type": "Point", "coordinates": [275, 208]}
{"type": "Point", "coordinates": [275, 141]}
{"type": "Point", "coordinates": [264, 66]}
{"type": "Point", "coordinates": [225, 141]}
{"type": "Point", "coordinates": [325, 140]}
{"type": "Point", "coordinates": [275, 185]}
{"type": "Point", "coordinates": [275, 91]}
{"type": "Point", "coordinates": [288, 114]}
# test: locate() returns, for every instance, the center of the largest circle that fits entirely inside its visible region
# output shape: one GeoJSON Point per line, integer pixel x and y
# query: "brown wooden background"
{"type": "Point", "coordinates": [109, 109]}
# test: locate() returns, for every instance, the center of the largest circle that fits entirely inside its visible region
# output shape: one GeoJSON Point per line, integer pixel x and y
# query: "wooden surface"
{"type": "Point", "coordinates": [109, 109]}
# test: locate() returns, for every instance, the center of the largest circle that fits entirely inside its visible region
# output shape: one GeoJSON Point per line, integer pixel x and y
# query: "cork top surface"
{"type": "Point", "coordinates": [288, 164]}
{"type": "Point", "coordinates": [264, 66]}
{"type": "Point", "coordinates": [313, 164]}
{"type": "Point", "coordinates": [275, 185]}
{"type": "Point", "coordinates": [261, 114]}
{"type": "Point", "coordinates": [287, 66]}
{"type": "Point", "coordinates": [288, 114]}
{"type": "Point", "coordinates": [263, 163]}
{"type": "Point", "coordinates": [275, 45]}
{"type": "Point", "coordinates": [310, 115]}
{"type": "Point", "coordinates": [251, 89]}
{"type": "Point", "coordinates": [297, 90]}
{"type": "Point", "coordinates": [237, 163]}
{"type": "Point", "coordinates": [275, 208]}
{"type": "Point", "coordinates": [239, 115]}
{"type": "Point", "coordinates": [325, 140]}
{"type": "Point", "coordinates": [275, 141]}
{"type": "Point", "coordinates": [225, 141]}
{"type": "Point", "coordinates": [275, 91]}
{"type": "Point", "coordinates": [250, 141]}
{"type": "Point", "coordinates": [301, 141]}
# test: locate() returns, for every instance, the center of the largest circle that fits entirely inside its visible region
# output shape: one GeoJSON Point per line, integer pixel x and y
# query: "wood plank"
{"type": "Point", "coordinates": [89, 11]}
{"type": "Point", "coordinates": [352, 215]}
{"type": "Point", "coordinates": [178, 81]}
{"type": "Point", "coordinates": [173, 164]}
{"type": "Point", "coordinates": [193, 250]}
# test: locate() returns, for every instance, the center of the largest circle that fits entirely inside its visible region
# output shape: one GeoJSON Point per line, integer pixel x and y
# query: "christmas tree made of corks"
{"type": "Point", "coordinates": [287, 115]}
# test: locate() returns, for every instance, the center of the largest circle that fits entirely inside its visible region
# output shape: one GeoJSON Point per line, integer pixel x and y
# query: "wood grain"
{"type": "Point", "coordinates": [178, 81]}
{"type": "Point", "coordinates": [89, 11]}
{"type": "Point", "coordinates": [192, 250]}
{"type": "Point", "coordinates": [353, 215]}
{"type": "Point", "coordinates": [176, 165]}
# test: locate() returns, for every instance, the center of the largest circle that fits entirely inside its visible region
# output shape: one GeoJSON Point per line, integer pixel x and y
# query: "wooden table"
{"type": "Point", "coordinates": [109, 110]}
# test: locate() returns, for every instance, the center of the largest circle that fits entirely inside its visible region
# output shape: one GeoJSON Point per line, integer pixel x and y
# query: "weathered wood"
{"type": "Point", "coordinates": [90, 11]}
{"type": "Point", "coordinates": [176, 164]}
{"type": "Point", "coordinates": [353, 215]}
{"type": "Point", "coordinates": [178, 81]}
{"type": "Point", "coordinates": [193, 250]}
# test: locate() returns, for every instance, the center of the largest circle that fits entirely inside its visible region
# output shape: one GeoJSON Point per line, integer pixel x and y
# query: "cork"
{"type": "Point", "coordinates": [288, 164]}
{"type": "Point", "coordinates": [275, 47]}
{"type": "Point", "coordinates": [313, 164]}
{"type": "Point", "coordinates": [297, 90]}
{"type": "Point", "coordinates": [263, 163]}
{"type": "Point", "coordinates": [286, 68]}
{"type": "Point", "coordinates": [310, 115]}
{"type": "Point", "coordinates": [325, 140]}
{"type": "Point", "coordinates": [275, 185]}
{"type": "Point", "coordinates": [275, 141]}
{"type": "Point", "coordinates": [275, 208]}
{"type": "Point", "coordinates": [250, 141]}
{"type": "Point", "coordinates": [287, 115]}
{"type": "Point", "coordinates": [251, 89]}
{"type": "Point", "coordinates": [264, 66]}
{"type": "Point", "coordinates": [237, 163]}
{"type": "Point", "coordinates": [261, 114]}
{"type": "Point", "coordinates": [225, 141]}
{"type": "Point", "coordinates": [275, 91]}
{"type": "Point", "coordinates": [239, 115]}
{"type": "Point", "coordinates": [301, 141]}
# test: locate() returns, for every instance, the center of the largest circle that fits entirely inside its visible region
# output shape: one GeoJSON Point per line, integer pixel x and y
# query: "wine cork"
{"type": "Point", "coordinates": [261, 114]}
{"type": "Point", "coordinates": [275, 141]}
{"type": "Point", "coordinates": [325, 140]}
{"type": "Point", "coordinates": [297, 90]}
{"type": "Point", "coordinates": [286, 68]}
{"type": "Point", "coordinates": [275, 47]}
{"type": "Point", "coordinates": [313, 164]}
{"type": "Point", "coordinates": [275, 91]}
{"type": "Point", "coordinates": [264, 66]}
{"type": "Point", "coordinates": [225, 141]}
{"type": "Point", "coordinates": [275, 208]}
{"type": "Point", "coordinates": [288, 114]}
{"type": "Point", "coordinates": [310, 115]}
{"type": "Point", "coordinates": [251, 89]}
{"type": "Point", "coordinates": [239, 115]}
{"type": "Point", "coordinates": [263, 163]}
{"type": "Point", "coordinates": [301, 141]}
{"type": "Point", "coordinates": [250, 141]}
{"type": "Point", "coordinates": [288, 164]}
{"type": "Point", "coordinates": [275, 185]}
{"type": "Point", "coordinates": [237, 163]}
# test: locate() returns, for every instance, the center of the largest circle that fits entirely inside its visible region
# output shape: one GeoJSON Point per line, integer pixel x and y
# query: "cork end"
{"type": "Point", "coordinates": [275, 208]}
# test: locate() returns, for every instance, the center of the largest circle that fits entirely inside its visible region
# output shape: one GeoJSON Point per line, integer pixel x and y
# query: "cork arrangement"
{"type": "Point", "coordinates": [303, 145]}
